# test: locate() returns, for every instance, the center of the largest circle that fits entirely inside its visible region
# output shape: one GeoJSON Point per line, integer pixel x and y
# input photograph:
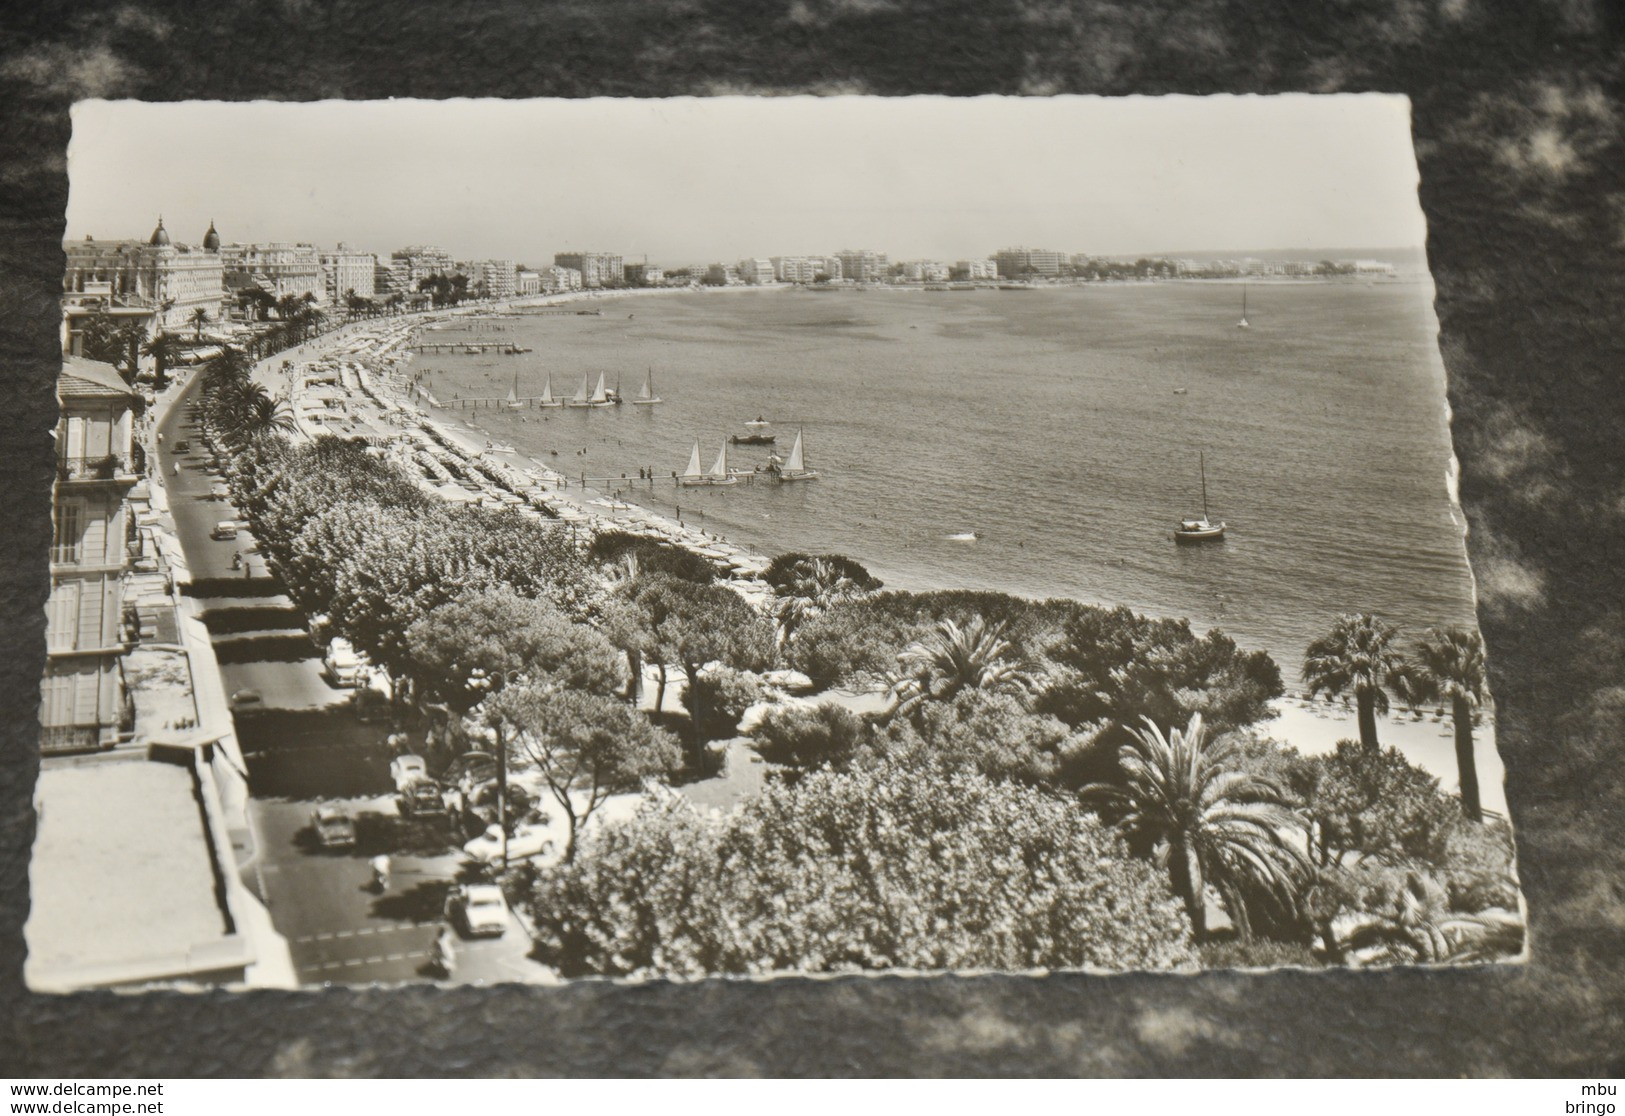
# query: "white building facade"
{"type": "Point", "coordinates": [346, 271]}
{"type": "Point", "coordinates": [172, 281]}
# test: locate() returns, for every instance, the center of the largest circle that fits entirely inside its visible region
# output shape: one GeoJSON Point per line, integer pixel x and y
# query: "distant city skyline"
{"type": "Point", "coordinates": [687, 181]}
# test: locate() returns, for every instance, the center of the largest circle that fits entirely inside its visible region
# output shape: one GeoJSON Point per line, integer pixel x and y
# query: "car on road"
{"type": "Point", "coordinates": [219, 491]}
{"type": "Point", "coordinates": [225, 530]}
{"type": "Point", "coordinates": [527, 841]}
{"type": "Point", "coordinates": [406, 770]}
{"type": "Point", "coordinates": [342, 665]}
{"type": "Point", "coordinates": [478, 910]}
{"type": "Point", "coordinates": [334, 828]}
{"type": "Point", "coordinates": [247, 699]}
{"type": "Point", "coordinates": [182, 446]}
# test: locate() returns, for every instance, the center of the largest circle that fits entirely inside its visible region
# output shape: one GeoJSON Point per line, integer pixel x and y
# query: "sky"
{"type": "Point", "coordinates": [694, 180]}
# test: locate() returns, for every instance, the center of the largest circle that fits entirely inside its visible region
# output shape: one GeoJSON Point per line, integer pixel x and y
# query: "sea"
{"type": "Point", "coordinates": [1043, 442]}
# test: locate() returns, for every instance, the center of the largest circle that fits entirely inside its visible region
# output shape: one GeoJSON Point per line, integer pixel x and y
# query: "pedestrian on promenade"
{"type": "Point", "coordinates": [236, 559]}
{"type": "Point", "coordinates": [445, 952]}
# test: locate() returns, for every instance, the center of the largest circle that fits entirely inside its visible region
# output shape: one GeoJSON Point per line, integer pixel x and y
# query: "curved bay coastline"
{"type": "Point", "coordinates": [1060, 510]}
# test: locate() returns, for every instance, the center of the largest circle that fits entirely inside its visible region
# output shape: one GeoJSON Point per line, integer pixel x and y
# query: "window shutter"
{"type": "Point", "coordinates": [62, 617]}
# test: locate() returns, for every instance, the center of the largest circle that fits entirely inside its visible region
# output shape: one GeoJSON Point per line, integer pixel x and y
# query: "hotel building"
{"type": "Point", "coordinates": [598, 269]}
{"type": "Point", "coordinates": [862, 266]}
{"type": "Point", "coordinates": [756, 272]}
{"type": "Point", "coordinates": [1023, 263]}
{"type": "Point", "coordinates": [169, 281]}
{"type": "Point", "coordinates": [416, 262]}
{"type": "Point", "coordinates": [499, 278]}
{"type": "Point", "coordinates": [279, 270]}
{"type": "Point", "coordinates": [346, 271]}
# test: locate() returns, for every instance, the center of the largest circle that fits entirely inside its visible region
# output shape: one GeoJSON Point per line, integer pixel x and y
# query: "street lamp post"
{"type": "Point", "coordinates": [483, 680]}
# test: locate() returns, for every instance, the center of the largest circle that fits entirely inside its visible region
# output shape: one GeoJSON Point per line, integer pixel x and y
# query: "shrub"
{"type": "Point", "coordinates": [785, 572]}
{"type": "Point", "coordinates": [651, 556]}
{"type": "Point", "coordinates": [1378, 805]}
{"type": "Point", "coordinates": [722, 695]}
{"type": "Point", "coordinates": [877, 868]}
{"type": "Point", "coordinates": [989, 732]}
{"type": "Point", "coordinates": [1261, 953]}
{"type": "Point", "coordinates": [805, 739]}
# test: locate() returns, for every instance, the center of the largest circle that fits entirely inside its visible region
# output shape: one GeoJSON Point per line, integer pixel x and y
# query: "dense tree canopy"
{"type": "Point", "coordinates": [1117, 667]}
{"type": "Point", "coordinates": [887, 867]}
{"type": "Point", "coordinates": [469, 647]}
{"type": "Point", "coordinates": [585, 746]}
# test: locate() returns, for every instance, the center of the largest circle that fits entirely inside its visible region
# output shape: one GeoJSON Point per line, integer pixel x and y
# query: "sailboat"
{"type": "Point", "coordinates": [794, 467]}
{"type": "Point", "coordinates": [647, 395]}
{"type": "Point", "coordinates": [579, 399]}
{"type": "Point", "coordinates": [598, 398]}
{"type": "Point", "coordinates": [547, 399]}
{"type": "Point", "coordinates": [513, 394]}
{"type": "Point", "coordinates": [692, 476]}
{"type": "Point", "coordinates": [1199, 530]}
{"type": "Point", "coordinates": [1243, 323]}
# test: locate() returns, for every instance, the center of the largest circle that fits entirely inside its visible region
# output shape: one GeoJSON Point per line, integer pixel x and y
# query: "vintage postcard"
{"type": "Point", "coordinates": [517, 541]}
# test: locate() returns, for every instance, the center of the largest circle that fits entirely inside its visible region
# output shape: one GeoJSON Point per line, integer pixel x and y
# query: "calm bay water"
{"type": "Point", "coordinates": [1050, 423]}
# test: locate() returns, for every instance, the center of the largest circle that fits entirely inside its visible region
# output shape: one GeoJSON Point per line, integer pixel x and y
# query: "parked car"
{"type": "Point", "coordinates": [527, 841]}
{"type": "Point", "coordinates": [342, 665]}
{"type": "Point", "coordinates": [334, 828]}
{"type": "Point", "coordinates": [406, 770]}
{"type": "Point", "coordinates": [182, 446]}
{"type": "Point", "coordinates": [246, 699]}
{"type": "Point", "coordinates": [421, 798]}
{"type": "Point", "coordinates": [478, 910]}
{"type": "Point", "coordinates": [225, 530]}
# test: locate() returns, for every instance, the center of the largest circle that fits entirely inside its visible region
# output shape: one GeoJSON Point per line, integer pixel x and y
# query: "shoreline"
{"type": "Point", "coordinates": [377, 404]}
{"type": "Point", "coordinates": [1313, 727]}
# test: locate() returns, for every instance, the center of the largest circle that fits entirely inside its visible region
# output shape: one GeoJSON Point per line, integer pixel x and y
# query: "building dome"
{"type": "Point", "coordinates": [159, 236]}
{"type": "Point", "coordinates": [211, 239]}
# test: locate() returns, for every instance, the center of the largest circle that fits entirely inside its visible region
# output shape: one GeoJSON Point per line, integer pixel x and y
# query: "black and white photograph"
{"type": "Point", "coordinates": [516, 542]}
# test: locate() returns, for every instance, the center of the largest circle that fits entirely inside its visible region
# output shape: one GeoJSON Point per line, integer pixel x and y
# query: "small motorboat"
{"type": "Point", "coordinates": [752, 439]}
{"type": "Point", "coordinates": [758, 421]}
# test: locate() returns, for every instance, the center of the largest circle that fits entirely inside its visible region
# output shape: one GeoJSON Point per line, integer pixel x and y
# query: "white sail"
{"type": "Point", "coordinates": [794, 463]}
{"type": "Point", "coordinates": [513, 392]}
{"type": "Point", "coordinates": [720, 469]}
{"type": "Point", "coordinates": [693, 469]}
{"type": "Point", "coordinates": [647, 392]}
{"type": "Point", "coordinates": [581, 393]}
{"type": "Point", "coordinates": [599, 394]}
{"type": "Point", "coordinates": [547, 391]}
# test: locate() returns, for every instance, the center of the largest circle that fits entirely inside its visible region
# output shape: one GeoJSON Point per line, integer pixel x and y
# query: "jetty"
{"type": "Point", "coordinates": [466, 346]}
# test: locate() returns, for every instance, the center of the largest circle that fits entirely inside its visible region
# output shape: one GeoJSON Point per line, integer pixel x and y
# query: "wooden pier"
{"type": "Point", "coordinates": [465, 346]}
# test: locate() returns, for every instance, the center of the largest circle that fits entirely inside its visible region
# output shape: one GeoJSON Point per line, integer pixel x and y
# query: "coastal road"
{"type": "Point", "coordinates": [304, 745]}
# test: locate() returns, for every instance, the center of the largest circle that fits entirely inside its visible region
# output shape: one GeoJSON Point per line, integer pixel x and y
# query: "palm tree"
{"type": "Point", "coordinates": [1449, 665]}
{"type": "Point", "coordinates": [1208, 821]}
{"type": "Point", "coordinates": [200, 318]}
{"type": "Point", "coordinates": [164, 348]}
{"type": "Point", "coordinates": [1421, 928]}
{"type": "Point", "coordinates": [952, 659]}
{"type": "Point", "coordinates": [265, 415]}
{"type": "Point", "coordinates": [815, 584]}
{"type": "Point", "coordinates": [1356, 657]}
{"type": "Point", "coordinates": [246, 411]}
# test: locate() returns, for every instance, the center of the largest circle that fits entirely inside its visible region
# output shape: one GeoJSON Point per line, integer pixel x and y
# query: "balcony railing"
{"type": "Point", "coordinates": [104, 467]}
{"type": "Point", "coordinates": [60, 739]}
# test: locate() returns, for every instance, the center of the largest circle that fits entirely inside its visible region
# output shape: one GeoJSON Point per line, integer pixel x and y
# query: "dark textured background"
{"type": "Point", "coordinates": [1518, 127]}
